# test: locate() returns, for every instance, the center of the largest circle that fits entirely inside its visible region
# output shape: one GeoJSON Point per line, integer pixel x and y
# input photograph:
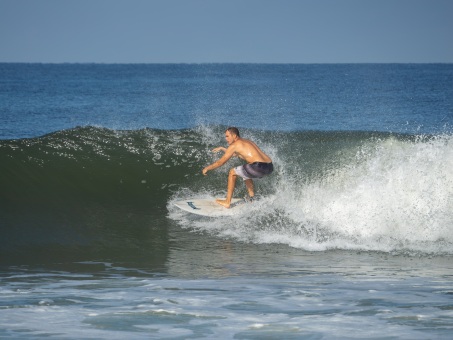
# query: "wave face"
{"type": "Point", "coordinates": [108, 193]}
{"type": "Point", "coordinates": [89, 190]}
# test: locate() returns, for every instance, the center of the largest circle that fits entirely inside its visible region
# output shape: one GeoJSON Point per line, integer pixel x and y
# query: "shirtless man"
{"type": "Point", "coordinates": [258, 163]}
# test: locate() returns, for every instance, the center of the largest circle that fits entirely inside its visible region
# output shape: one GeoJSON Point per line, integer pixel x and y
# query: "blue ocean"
{"type": "Point", "coordinates": [352, 237]}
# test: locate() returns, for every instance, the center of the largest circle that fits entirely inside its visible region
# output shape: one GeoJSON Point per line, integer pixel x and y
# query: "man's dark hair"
{"type": "Point", "coordinates": [234, 131]}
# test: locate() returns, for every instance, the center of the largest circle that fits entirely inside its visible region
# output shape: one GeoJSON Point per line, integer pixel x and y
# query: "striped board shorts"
{"type": "Point", "coordinates": [254, 170]}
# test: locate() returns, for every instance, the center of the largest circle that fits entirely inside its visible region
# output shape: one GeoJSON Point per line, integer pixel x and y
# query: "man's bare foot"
{"type": "Point", "coordinates": [223, 203]}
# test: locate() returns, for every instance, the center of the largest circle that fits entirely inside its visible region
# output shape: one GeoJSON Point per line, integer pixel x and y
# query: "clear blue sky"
{"type": "Point", "coordinates": [198, 31]}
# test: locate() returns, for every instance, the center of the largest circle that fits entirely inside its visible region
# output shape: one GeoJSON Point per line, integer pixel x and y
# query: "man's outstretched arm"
{"type": "Point", "coordinates": [226, 156]}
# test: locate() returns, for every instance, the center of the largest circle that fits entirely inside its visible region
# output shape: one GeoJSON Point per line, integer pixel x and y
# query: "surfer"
{"type": "Point", "coordinates": [258, 163]}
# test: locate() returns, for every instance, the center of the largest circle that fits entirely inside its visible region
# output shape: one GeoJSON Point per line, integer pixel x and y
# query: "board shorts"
{"type": "Point", "coordinates": [254, 170]}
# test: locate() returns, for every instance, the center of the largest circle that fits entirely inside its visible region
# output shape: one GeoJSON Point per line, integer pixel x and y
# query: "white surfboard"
{"type": "Point", "coordinates": [208, 207]}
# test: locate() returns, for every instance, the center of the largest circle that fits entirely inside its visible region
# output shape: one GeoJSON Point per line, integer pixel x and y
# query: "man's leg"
{"type": "Point", "coordinates": [250, 187]}
{"type": "Point", "coordinates": [230, 189]}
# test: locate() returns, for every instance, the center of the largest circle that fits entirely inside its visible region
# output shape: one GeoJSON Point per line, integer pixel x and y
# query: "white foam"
{"type": "Point", "coordinates": [399, 194]}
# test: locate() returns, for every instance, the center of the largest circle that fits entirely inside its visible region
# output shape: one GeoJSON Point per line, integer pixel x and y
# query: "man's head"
{"type": "Point", "coordinates": [233, 131]}
{"type": "Point", "coordinates": [231, 135]}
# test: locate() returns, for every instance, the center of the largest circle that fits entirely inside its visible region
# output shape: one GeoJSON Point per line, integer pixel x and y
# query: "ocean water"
{"type": "Point", "coordinates": [352, 238]}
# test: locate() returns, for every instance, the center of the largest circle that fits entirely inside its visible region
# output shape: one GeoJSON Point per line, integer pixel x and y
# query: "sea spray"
{"type": "Point", "coordinates": [398, 196]}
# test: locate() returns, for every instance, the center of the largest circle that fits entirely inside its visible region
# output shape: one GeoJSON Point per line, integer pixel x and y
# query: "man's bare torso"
{"type": "Point", "coordinates": [249, 151]}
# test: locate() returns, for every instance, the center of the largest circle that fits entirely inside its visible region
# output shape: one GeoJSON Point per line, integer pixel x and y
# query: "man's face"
{"type": "Point", "coordinates": [230, 138]}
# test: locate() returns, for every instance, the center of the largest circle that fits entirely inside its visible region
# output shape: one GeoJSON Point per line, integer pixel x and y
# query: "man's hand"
{"type": "Point", "coordinates": [220, 148]}
{"type": "Point", "coordinates": [205, 171]}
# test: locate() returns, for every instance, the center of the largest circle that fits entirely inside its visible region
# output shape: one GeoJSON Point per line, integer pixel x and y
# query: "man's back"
{"type": "Point", "coordinates": [249, 151]}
